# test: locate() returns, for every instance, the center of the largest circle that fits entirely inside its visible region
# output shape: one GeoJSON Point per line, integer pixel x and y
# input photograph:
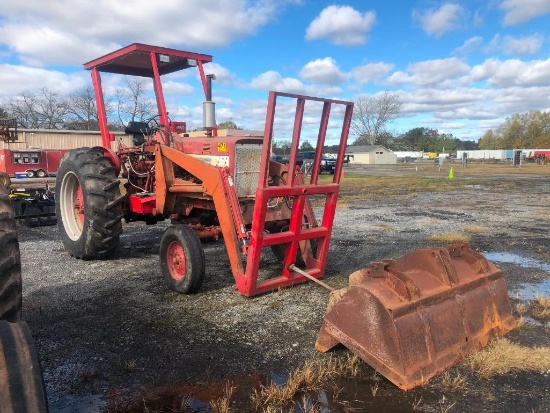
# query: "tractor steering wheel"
{"type": "Point", "coordinates": [153, 122]}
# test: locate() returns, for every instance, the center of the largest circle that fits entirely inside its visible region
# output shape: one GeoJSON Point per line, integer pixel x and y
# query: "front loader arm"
{"type": "Point", "coordinates": [167, 186]}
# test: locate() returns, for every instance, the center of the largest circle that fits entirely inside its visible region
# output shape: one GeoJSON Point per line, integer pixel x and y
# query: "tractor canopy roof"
{"type": "Point", "coordinates": [135, 60]}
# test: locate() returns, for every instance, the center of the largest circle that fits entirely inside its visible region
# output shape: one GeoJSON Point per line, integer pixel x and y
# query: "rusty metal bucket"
{"type": "Point", "coordinates": [414, 317]}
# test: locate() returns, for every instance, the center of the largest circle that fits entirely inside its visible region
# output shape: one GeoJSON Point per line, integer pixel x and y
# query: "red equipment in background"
{"type": "Point", "coordinates": [34, 162]}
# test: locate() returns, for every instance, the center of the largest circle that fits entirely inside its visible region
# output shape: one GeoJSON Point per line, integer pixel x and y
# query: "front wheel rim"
{"type": "Point", "coordinates": [175, 258]}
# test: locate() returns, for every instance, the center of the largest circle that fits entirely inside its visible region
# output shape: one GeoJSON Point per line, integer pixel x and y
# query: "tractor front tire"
{"type": "Point", "coordinates": [182, 259]}
{"type": "Point", "coordinates": [88, 204]}
{"type": "Point", "coordinates": [10, 264]}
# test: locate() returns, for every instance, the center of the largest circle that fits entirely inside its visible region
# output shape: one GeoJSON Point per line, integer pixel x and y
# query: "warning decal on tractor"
{"type": "Point", "coordinates": [222, 147]}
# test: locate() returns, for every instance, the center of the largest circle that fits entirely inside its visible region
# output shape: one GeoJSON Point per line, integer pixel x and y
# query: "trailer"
{"type": "Point", "coordinates": [31, 163]}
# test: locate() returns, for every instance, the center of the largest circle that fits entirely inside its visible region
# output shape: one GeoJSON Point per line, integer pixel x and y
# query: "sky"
{"type": "Point", "coordinates": [461, 67]}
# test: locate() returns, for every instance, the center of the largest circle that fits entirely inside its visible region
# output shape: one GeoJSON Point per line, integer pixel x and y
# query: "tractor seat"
{"type": "Point", "coordinates": [137, 130]}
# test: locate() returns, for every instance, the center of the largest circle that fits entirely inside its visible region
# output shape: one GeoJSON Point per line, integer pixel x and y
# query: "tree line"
{"type": "Point", "coordinates": [527, 130]}
{"type": "Point", "coordinates": [48, 109]}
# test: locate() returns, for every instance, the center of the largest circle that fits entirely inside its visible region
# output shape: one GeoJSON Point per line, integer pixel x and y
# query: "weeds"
{"type": "Point", "coordinates": [449, 238]}
{"type": "Point", "coordinates": [520, 322]}
{"type": "Point", "coordinates": [541, 308]}
{"type": "Point", "coordinates": [312, 376]}
{"type": "Point", "coordinates": [417, 405]}
{"type": "Point", "coordinates": [374, 389]}
{"type": "Point", "coordinates": [474, 229]}
{"type": "Point", "coordinates": [454, 383]}
{"type": "Point", "coordinates": [543, 301]}
{"type": "Point", "coordinates": [444, 405]}
{"type": "Point", "coordinates": [522, 308]}
{"type": "Point", "coordinates": [222, 405]}
{"type": "Point", "coordinates": [503, 356]}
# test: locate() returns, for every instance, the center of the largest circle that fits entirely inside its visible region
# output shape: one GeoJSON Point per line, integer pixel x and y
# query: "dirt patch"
{"type": "Point", "coordinates": [112, 336]}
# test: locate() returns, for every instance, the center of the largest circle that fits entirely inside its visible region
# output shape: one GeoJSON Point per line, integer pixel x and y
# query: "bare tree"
{"type": "Point", "coordinates": [23, 108]}
{"type": "Point", "coordinates": [134, 102]}
{"type": "Point", "coordinates": [46, 110]}
{"type": "Point", "coordinates": [51, 108]}
{"type": "Point", "coordinates": [82, 110]}
{"type": "Point", "coordinates": [372, 114]}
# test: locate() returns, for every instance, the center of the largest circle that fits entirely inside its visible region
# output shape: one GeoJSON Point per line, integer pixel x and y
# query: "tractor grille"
{"type": "Point", "coordinates": [248, 159]}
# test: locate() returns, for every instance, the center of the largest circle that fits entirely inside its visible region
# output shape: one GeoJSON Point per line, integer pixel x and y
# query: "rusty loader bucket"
{"type": "Point", "coordinates": [414, 317]}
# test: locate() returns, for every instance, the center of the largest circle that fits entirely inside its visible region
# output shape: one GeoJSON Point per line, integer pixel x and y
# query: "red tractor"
{"type": "Point", "coordinates": [211, 184]}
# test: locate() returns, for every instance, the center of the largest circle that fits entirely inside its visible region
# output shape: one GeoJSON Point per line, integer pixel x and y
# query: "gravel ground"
{"type": "Point", "coordinates": [106, 328]}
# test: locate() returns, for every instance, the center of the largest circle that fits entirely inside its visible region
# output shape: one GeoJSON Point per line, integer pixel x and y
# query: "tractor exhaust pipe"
{"type": "Point", "coordinates": [209, 107]}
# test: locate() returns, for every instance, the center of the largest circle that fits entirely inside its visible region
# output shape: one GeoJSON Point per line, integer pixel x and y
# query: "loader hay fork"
{"type": "Point", "coordinates": [296, 189]}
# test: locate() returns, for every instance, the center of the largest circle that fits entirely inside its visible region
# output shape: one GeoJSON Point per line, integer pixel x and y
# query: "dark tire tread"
{"type": "Point", "coordinates": [194, 254]}
{"type": "Point", "coordinates": [103, 212]}
{"type": "Point", "coordinates": [22, 390]}
{"type": "Point", "coordinates": [10, 262]}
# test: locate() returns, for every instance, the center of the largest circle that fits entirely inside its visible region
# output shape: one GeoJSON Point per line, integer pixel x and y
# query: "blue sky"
{"type": "Point", "coordinates": [460, 67]}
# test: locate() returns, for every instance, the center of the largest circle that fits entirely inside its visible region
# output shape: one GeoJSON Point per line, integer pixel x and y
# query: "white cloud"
{"type": "Point", "coordinates": [324, 71]}
{"type": "Point", "coordinates": [522, 45]}
{"type": "Point", "coordinates": [341, 25]}
{"type": "Point", "coordinates": [514, 46]}
{"type": "Point", "coordinates": [469, 46]}
{"type": "Point", "coordinates": [76, 31]}
{"type": "Point", "coordinates": [272, 80]}
{"type": "Point", "coordinates": [430, 72]}
{"type": "Point", "coordinates": [371, 72]}
{"type": "Point", "coordinates": [223, 76]}
{"type": "Point", "coordinates": [16, 79]}
{"type": "Point", "coordinates": [436, 22]}
{"type": "Point", "coordinates": [512, 72]}
{"type": "Point", "coordinates": [478, 20]}
{"type": "Point", "coordinates": [177, 88]}
{"type": "Point", "coordinates": [520, 11]}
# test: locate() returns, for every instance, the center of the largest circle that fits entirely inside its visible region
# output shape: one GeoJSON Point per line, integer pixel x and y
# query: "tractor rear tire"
{"type": "Point", "coordinates": [22, 386]}
{"type": "Point", "coordinates": [21, 382]}
{"type": "Point", "coordinates": [10, 264]}
{"type": "Point", "coordinates": [88, 204]}
{"type": "Point", "coordinates": [182, 259]}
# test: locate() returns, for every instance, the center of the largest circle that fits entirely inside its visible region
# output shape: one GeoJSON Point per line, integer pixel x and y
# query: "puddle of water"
{"type": "Point", "coordinates": [524, 262]}
{"type": "Point", "coordinates": [526, 291]}
{"type": "Point", "coordinates": [531, 291]}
